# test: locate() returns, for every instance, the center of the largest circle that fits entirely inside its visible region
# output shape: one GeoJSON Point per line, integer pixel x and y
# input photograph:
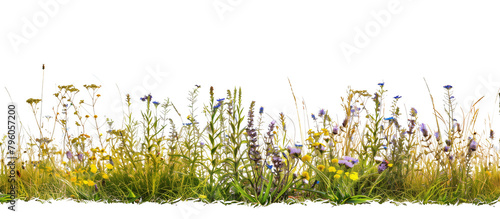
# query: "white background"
{"type": "Point", "coordinates": [166, 47]}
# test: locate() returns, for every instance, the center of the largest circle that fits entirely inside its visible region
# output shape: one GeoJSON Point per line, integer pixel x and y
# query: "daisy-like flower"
{"type": "Point", "coordinates": [105, 176]}
{"type": "Point", "coordinates": [305, 175]}
{"type": "Point", "coordinates": [332, 169]}
{"type": "Point", "coordinates": [93, 169]}
{"type": "Point", "coordinates": [337, 176]}
{"type": "Point", "coordinates": [354, 176]}
{"type": "Point", "coordinates": [306, 158]}
{"type": "Point", "coordinates": [321, 167]}
{"type": "Point", "coordinates": [335, 160]}
{"type": "Point", "coordinates": [109, 166]}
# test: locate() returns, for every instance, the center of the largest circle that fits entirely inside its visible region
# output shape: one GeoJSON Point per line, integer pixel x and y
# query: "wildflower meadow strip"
{"type": "Point", "coordinates": [230, 151]}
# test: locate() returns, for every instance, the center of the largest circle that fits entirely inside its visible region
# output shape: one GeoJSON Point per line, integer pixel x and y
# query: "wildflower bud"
{"type": "Point", "coordinates": [446, 148]}
{"type": "Point", "coordinates": [344, 123]}
{"type": "Point", "coordinates": [335, 130]}
{"type": "Point", "coordinates": [295, 176]}
{"type": "Point", "coordinates": [473, 145]}
{"type": "Point", "coordinates": [448, 142]}
{"type": "Point", "coordinates": [424, 130]}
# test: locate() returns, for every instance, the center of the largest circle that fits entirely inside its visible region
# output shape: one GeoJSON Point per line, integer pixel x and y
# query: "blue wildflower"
{"type": "Point", "coordinates": [381, 84]}
{"type": "Point", "coordinates": [269, 166]}
{"type": "Point", "coordinates": [261, 110]}
{"type": "Point", "coordinates": [447, 87]}
{"type": "Point", "coordinates": [313, 116]}
{"type": "Point", "coordinates": [156, 103]}
{"type": "Point", "coordinates": [397, 97]}
{"type": "Point", "coordinates": [217, 106]}
{"type": "Point", "coordinates": [221, 99]}
{"type": "Point", "coordinates": [390, 118]}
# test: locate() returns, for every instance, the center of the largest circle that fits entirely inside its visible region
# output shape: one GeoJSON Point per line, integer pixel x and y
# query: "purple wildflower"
{"type": "Point", "coordinates": [80, 156]}
{"type": "Point", "coordinates": [335, 130]}
{"type": "Point", "coordinates": [69, 155]}
{"type": "Point", "coordinates": [438, 136]}
{"type": "Point", "coordinates": [413, 112]}
{"type": "Point", "coordinates": [473, 145]}
{"type": "Point", "coordinates": [294, 152]}
{"type": "Point", "coordinates": [383, 166]}
{"type": "Point", "coordinates": [424, 130]}
{"type": "Point", "coordinates": [446, 148]}
{"type": "Point", "coordinates": [321, 113]}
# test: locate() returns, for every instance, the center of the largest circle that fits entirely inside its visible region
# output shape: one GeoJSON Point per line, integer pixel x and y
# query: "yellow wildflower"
{"type": "Point", "coordinates": [389, 165]}
{"type": "Point", "coordinates": [73, 179]}
{"type": "Point", "coordinates": [331, 169]}
{"type": "Point", "coordinates": [488, 173]}
{"type": "Point", "coordinates": [337, 176]}
{"type": "Point", "coordinates": [354, 176]}
{"type": "Point", "coordinates": [335, 160]}
{"type": "Point", "coordinates": [109, 166]}
{"type": "Point", "coordinates": [306, 158]}
{"type": "Point", "coordinates": [340, 172]}
{"type": "Point", "coordinates": [305, 175]}
{"type": "Point", "coordinates": [49, 169]}
{"type": "Point", "coordinates": [203, 196]}
{"type": "Point", "coordinates": [105, 176]}
{"type": "Point", "coordinates": [85, 182]}
{"type": "Point", "coordinates": [325, 131]}
{"type": "Point", "coordinates": [91, 183]}
{"type": "Point", "coordinates": [321, 167]}
{"type": "Point", "coordinates": [93, 169]}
